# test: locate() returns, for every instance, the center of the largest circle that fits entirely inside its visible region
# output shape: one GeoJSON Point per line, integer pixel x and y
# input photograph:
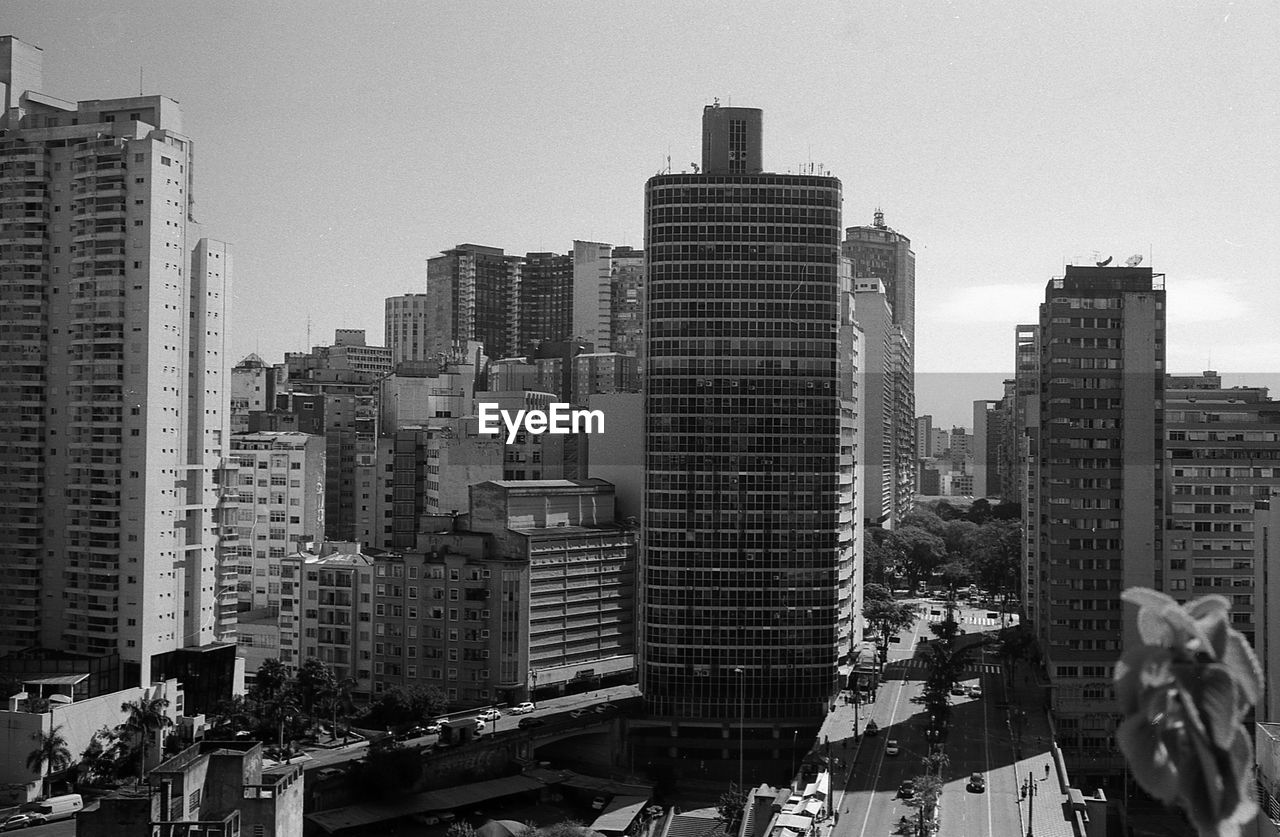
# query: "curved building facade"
{"type": "Point", "coordinates": [748, 563]}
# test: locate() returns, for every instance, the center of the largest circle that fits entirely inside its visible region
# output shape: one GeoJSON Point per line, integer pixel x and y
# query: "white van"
{"type": "Point", "coordinates": [55, 807]}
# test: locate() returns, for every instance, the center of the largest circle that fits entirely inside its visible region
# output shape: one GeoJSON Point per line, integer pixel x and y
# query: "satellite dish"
{"type": "Point", "coordinates": [1133, 261]}
{"type": "Point", "coordinates": [1105, 262]}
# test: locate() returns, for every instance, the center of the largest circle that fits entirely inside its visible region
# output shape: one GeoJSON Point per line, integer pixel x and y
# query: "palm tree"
{"type": "Point", "coordinates": [146, 717]}
{"type": "Point", "coordinates": [51, 750]}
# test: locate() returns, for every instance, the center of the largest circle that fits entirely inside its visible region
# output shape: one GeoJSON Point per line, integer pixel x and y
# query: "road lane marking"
{"type": "Point", "coordinates": [893, 714]}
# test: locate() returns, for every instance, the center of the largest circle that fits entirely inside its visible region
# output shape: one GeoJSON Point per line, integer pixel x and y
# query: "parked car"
{"type": "Point", "coordinates": [490, 715]}
{"type": "Point", "coordinates": [891, 747]}
{"type": "Point", "coordinates": [526, 723]}
{"type": "Point", "coordinates": [598, 803]}
{"type": "Point", "coordinates": [425, 819]}
{"type": "Point", "coordinates": [522, 708]}
{"type": "Point", "coordinates": [24, 820]}
{"type": "Point", "coordinates": [602, 708]}
{"type": "Point", "coordinates": [907, 789]}
{"type": "Point", "coordinates": [975, 691]}
{"type": "Point", "coordinates": [480, 725]}
{"type": "Point", "coordinates": [872, 728]}
{"type": "Point", "coordinates": [977, 783]}
{"type": "Point", "coordinates": [959, 690]}
{"type": "Point", "coordinates": [432, 728]}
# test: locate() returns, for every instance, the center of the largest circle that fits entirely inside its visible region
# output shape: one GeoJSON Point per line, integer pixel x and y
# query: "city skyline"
{"type": "Point", "coordinates": [1005, 149]}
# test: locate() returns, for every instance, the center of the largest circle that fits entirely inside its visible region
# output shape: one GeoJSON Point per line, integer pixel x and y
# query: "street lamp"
{"type": "Point", "coordinates": [795, 735]}
{"type": "Point", "coordinates": [742, 716]}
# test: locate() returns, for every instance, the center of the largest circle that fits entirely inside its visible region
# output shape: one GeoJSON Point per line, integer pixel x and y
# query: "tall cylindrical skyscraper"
{"type": "Point", "coordinates": [749, 445]}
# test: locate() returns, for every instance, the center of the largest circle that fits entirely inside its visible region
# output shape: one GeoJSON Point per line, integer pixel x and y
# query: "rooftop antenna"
{"type": "Point", "coordinates": [139, 79]}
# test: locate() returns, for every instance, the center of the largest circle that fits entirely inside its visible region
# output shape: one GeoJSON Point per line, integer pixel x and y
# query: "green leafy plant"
{"type": "Point", "coordinates": [1184, 694]}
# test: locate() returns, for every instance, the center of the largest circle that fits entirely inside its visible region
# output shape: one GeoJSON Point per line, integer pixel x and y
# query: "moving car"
{"type": "Point", "coordinates": [523, 708]}
{"type": "Point", "coordinates": [432, 728]}
{"type": "Point", "coordinates": [891, 747]}
{"type": "Point", "coordinates": [578, 713]}
{"type": "Point", "coordinates": [490, 715]}
{"type": "Point", "coordinates": [977, 783]}
{"type": "Point", "coordinates": [480, 725]}
{"type": "Point", "coordinates": [959, 690]}
{"type": "Point", "coordinates": [907, 789]}
{"type": "Point", "coordinates": [872, 728]}
{"type": "Point", "coordinates": [975, 691]}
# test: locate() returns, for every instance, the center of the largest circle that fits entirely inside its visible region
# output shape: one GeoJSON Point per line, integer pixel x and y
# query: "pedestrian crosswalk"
{"type": "Point", "coordinates": [967, 671]}
{"type": "Point", "coordinates": [982, 621]}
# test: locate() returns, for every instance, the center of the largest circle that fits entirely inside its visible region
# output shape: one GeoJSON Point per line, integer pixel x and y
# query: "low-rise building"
{"type": "Point", "coordinates": [210, 789]}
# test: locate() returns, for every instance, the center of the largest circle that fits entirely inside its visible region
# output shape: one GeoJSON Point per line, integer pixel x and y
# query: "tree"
{"type": "Point", "coordinates": [997, 556]}
{"type": "Point", "coordinates": [461, 828]}
{"type": "Point", "coordinates": [958, 536]}
{"type": "Point", "coordinates": [886, 618]}
{"type": "Point", "coordinates": [936, 763]}
{"type": "Point", "coordinates": [269, 682]}
{"type": "Point", "coordinates": [955, 574]}
{"type": "Point", "coordinates": [979, 511]}
{"type": "Point", "coordinates": [731, 807]}
{"type": "Point", "coordinates": [314, 683]}
{"type": "Point", "coordinates": [407, 705]}
{"type": "Point", "coordinates": [99, 763]}
{"type": "Point", "coordinates": [146, 718]}
{"type": "Point", "coordinates": [879, 557]}
{"type": "Point", "coordinates": [945, 510]}
{"type": "Point", "coordinates": [876, 593]}
{"type": "Point", "coordinates": [922, 551]}
{"type": "Point", "coordinates": [51, 752]}
{"type": "Point", "coordinates": [923, 518]}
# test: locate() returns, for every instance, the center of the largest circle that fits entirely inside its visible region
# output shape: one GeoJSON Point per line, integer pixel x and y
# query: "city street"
{"type": "Point", "coordinates": [979, 742]}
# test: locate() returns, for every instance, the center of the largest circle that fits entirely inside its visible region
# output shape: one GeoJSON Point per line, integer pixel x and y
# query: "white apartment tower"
{"type": "Point", "coordinates": [113, 397]}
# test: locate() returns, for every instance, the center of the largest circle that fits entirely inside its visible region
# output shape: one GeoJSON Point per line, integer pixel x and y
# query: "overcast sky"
{"type": "Point", "coordinates": [339, 145]}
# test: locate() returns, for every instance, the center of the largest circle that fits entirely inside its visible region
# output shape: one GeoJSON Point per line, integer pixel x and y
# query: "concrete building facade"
{"type": "Point", "coordinates": [473, 293]}
{"type": "Point", "coordinates": [1101, 484]}
{"type": "Point", "coordinates": [114, 397]}
{"type": "Point", "coordinates": [281, 482]}
{"type": "Point", "coordinates": [405, 323]}
{"type": "Point", "coordinates": [749, 450]}
{"type": "Point", "coordinates": [1223, 454]}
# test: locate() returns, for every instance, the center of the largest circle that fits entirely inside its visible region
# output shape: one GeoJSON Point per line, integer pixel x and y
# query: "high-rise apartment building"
{"type": "Point", "coordinates": [1026, 424]}
{"type": "Point", "coordinates": [281, 486]}
{"type": "Point", "coordinates": [886, 407]}
{"type": "Point", "coordinates": [473, 293]}
{"type": "Point", "coordinates": [593, 294]}
{"type": "Point", "coordinates": [749, 554]}
{"type": "Point", "coordinates": [628, 302]}
{"type": "Point", "coordinates": [1101, 491]}
{"type": "Point", "coordinates": [546, 299]}
{"type": "Point", "coordinates": [879, 253]}
{"type": "Point", "coordinates": [113, 391]}
{"type": "Point", "coordinates": [405, 319]}
{"type": "Point", "coordinates": [1223, 454]}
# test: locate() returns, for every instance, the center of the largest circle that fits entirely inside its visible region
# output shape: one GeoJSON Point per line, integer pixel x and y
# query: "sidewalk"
{"type": "Point", "coordinates": [1038, 759]}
